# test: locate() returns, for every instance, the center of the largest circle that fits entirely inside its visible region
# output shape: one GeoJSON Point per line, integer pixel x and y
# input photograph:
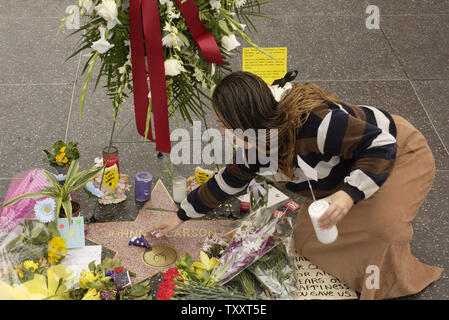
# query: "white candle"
{"type": "Point", "coordinates": [179, 189]}
{"type": "Point", "coordinates": [316, 210]}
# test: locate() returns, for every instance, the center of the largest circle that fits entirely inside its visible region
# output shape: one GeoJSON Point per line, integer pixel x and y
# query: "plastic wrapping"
{"type": "Point", "coordinates": [31, 181]}
{"type": "Point", "coordinates": [257, 234]}
{"type": "Point", "coordinates": [29, 249]}
{"type": "Point", "coordinates": [32, 241]}
{"type": "Point", "coordinates": [274, 271]}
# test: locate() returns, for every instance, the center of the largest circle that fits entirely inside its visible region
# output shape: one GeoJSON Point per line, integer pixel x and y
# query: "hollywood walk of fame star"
{"type": "Point", "coordinates": [188, 238]}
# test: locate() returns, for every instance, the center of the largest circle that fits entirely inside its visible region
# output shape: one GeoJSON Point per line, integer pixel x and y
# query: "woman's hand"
{"type": "Point", "coordinates": [340, 204]}
{"type": "Point", "coordinates": [166, 226]}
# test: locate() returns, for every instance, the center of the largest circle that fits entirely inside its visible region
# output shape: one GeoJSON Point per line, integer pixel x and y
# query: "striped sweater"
{"type": "Point", "coordinates": [352, 148]}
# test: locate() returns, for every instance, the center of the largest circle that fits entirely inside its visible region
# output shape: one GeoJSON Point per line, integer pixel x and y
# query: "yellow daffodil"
{"type": "Point", "coordinates": [92, 294]}
{"type": "Point", "coordinates": [56, 248]}
{"type": "Point", "coordinates": [206, 264]}
{"type": "Point", "coordinates": [29, 264]}
{"type": "Point", "coordinates": [51, 287]}
{"type": "Point", "coordinates": [65, 160]}
{"type": "Point", "coordinates": [87, 277]}
{"type": "Point", "coordinates": [62, 150]}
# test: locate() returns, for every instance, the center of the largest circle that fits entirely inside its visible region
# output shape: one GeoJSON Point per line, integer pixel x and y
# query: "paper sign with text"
{"type": "Point", "coordinates": [316, 284]}
{"type": "Point", "coordinates": [264, 66]}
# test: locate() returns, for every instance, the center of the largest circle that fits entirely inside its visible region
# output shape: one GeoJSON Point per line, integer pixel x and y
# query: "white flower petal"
{"type": "Point", "coordinates": [102, 46]}
{"type": "Point", "coordinates": [230, 42]}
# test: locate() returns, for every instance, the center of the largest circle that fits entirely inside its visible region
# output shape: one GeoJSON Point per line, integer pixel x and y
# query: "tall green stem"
{"type": "Point", "coordinates": [86, 82]}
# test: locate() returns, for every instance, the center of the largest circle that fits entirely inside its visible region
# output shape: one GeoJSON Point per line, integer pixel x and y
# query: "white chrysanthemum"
{"type": "Point", "coordinates": [45, 210]}
{"type": "Point", "coordinates": [230, 42]}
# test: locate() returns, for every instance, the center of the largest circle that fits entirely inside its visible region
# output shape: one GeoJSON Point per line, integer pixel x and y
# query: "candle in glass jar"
{"type": "Point", "coordinates": [179, 189]}
{"type": "Point", "coordinates": [110, 157]}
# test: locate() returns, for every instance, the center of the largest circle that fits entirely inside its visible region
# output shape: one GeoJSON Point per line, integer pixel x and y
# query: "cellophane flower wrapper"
{"type": "Point", "coordinates": [275, 272]}
{"type": "Point", "coordinates": [30, 257]}
{"type": "Point", "coordinates": [33, 180]}
{"type": "Point", "coordinates": [257, 234]}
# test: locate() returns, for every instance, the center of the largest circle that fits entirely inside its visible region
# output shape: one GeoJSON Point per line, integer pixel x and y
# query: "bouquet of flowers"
{"type": "Point", "coordinates": [26, 254]}
{"type": "Point", "coordinates": [62, 154]}
{"type": "Point", "coordinates": [190, 280]}
{"type": "Point", "coordinates": [258, 233]}
{"type": "Point", "coordinates": [275, 273]}
{"type": "Point", "coordinates": [109, 281]}
{"type": "Point", "coordinates": [106, 34]}
{"type": "Point", "coordinates": [52, 283]}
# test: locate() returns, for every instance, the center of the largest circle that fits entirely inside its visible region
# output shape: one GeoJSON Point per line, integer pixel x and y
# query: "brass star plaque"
{"type": "Point", "coordinates": [161, 256]}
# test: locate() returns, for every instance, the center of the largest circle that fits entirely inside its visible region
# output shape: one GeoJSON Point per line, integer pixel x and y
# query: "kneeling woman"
{"type": "Point", "coordinates": [375, 170]}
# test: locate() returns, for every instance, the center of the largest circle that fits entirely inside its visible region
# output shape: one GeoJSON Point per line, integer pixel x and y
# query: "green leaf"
{"type": "Point", "coordinates": [69, 184]}
{"type": "Point", "coordinates": [95, 285]}
{"type": "Point", "coordinates": [205, 275]}
{"type": "Point", "coordinates": [86, 178]}
{"type": "Point", "coordinates": [58, 208]}
{"type": "Point", "coordinates": [138, 290]}
{"type": "Point", "coordinates": [183, 38]}
{"type": "Point", "coordinates": [67, 205]}
{"type": "Point", "coordinates": [92, 266]}
{"type": "Point", "coordinates": [52, 179]}
{"type": "Point", "coordinates": [73, 169]}
{"type": "Point", "coordinates": [23, 196]}
{"type": "Point", "coordinates": [53, 229]}
{"type": "Point", "coordinates": [224, 26]}
{"type": "Point", "coordinates": [107, 263]}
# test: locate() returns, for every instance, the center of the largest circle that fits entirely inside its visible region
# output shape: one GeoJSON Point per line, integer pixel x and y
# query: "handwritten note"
{"type": "Point", "coordinates": [264, 66]}
{"type": "Point", "coordinates": [316, 284]}
{"type": "Point", "coordinates": [312, 282]}
{"type": "Point", "coordinates": [111, 177]}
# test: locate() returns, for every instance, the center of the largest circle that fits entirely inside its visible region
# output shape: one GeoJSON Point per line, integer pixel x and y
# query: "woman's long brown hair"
{"type": "Point", "coordinates": [242, 100]}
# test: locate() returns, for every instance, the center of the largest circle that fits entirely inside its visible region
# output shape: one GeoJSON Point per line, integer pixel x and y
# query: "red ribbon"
{"type": "Point", "coordinates": [145, 30]}
{"type": "Point", "coordinates": [203, 38]}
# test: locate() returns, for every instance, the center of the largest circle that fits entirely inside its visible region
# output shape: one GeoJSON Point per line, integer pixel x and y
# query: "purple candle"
{"type": "Point", "coordinates": [143, 182]}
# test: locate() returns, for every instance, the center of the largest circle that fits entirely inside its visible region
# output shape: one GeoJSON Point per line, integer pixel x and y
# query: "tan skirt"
{"type": "Point", "coordinates": [377, 231]}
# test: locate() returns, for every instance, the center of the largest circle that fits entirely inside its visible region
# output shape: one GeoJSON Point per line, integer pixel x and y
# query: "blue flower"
{"type": "Point", "coordinates": [94, 191]}
{"type": "Point", "coordinates": [61, 177]}
{"type": "Point", "coordinates": [45, 210]}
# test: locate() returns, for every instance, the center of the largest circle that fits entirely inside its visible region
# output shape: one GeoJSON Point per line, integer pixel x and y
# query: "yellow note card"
{"type": "Point", "coordinates": [263, 66]}
{"type": "Point", "coordinates": [202, 175]}
{"type": "Point", "coordinates": [111, 177]}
